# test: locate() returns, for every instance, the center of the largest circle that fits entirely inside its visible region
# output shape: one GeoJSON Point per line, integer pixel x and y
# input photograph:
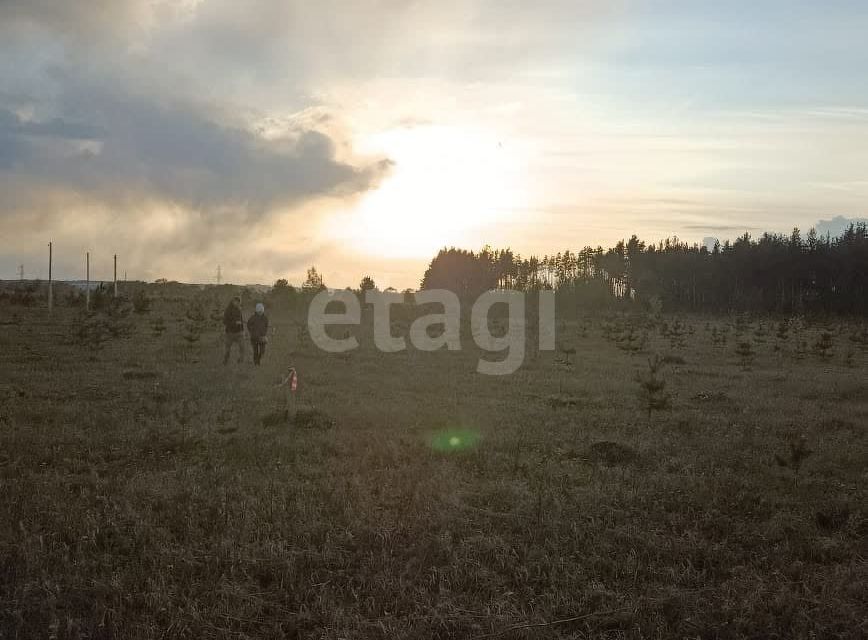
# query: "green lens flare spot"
{"type": "Point", "coordinates": [455, 440]}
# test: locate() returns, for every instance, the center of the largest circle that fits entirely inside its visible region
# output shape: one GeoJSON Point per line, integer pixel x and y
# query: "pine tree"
{"type": "Point", "coordinates": [746, 354]}
{"type": "Point", "coordinates": [158, 326]}
{"type": "Point", "coordinates": [797, 454]}
{"type": "Point", "coordinates": [823, 345]}
{"type": "Point", "coordinates": [193, 325]}
{"type": "Point", "coordinates": [653, 387]}
{"type": "Point", "coordinates": [313, 282]}
{"type": "Point", "coordinates": [367, 284]}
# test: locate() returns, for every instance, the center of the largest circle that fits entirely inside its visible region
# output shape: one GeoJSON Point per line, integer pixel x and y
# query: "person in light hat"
{"type": "Point", "coordinates": [257, 327]}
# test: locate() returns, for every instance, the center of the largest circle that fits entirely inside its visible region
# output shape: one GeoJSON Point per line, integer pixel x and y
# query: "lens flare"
{"type": "Point", "coordinates": [455, 440]}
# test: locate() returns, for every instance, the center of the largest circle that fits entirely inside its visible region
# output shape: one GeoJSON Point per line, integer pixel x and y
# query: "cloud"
{"type": "Point", "coordinates": [78, 20]}
{"type": "Point", "coordinates": [118, 100]}
{"type": "Point", "coordinates": [334, 39]}
{"type": "Point", "coordinates": [717, 227]}
{"type": "Point", "coordinates": [105, 112]}
{"type": "Point", "coordinates": [114, 145]}
{"type": "Point", "coordinates": [121, 126]}
{"type": "Point", "coordinates": [837, 225]}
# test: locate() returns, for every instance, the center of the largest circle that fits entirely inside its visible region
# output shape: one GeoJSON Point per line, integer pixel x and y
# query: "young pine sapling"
{"type": "Point", "coordinates": [652, 387]}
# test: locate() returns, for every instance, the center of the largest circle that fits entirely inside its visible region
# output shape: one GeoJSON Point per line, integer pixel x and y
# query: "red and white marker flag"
{"type": "Point", "coordinates": [291, 380]}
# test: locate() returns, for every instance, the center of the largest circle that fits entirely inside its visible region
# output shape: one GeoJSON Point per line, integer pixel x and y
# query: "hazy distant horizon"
{"type": "Point", "coordinates": [833, 227]}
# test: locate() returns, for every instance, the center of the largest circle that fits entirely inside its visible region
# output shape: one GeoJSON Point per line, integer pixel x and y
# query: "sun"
{"type": "Point", "coordinates": [449, 186]}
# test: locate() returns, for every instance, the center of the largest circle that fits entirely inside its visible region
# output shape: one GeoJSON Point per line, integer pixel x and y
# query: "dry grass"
{"type": "Point", "coordinates": [144, 493]}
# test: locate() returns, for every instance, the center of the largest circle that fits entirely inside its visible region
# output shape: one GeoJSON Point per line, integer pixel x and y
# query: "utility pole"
{"type": "Point", "coordinates": [219, 275]}
{"type": "Point", "coordinates": [50, 284]}
{"type": "Point", "coordinates": [116, 275]}
{"type": "Point", "coordinates": [87, 281]}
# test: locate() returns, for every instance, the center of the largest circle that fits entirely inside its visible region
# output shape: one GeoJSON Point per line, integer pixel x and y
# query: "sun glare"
{"type": "Point", "coordinates": [448, 184]}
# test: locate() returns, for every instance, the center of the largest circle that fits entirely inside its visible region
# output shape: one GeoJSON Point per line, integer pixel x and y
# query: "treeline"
{"type": "Point", "coordinates": [772, 273]}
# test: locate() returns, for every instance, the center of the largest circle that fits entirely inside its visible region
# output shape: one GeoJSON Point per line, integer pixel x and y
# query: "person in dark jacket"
{"type": "Point", "coordinates": [234, 323]}
{"type": "Point", "coordinates": [257, 327]}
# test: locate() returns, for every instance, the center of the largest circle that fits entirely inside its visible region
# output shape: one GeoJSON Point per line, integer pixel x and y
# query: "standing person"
{"type": "Point", "coordinates": [234, 323]}
{"type": "Point", "coordinates": [257, 327]}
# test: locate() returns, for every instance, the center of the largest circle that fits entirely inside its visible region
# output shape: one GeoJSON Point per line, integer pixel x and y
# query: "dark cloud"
{"type": "Point", "coordinates": [112, 144]}
{"type": "Point", "coordinates": [101, 101]}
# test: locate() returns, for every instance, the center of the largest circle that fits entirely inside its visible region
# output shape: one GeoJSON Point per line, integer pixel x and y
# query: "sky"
{"type": "Point", "coordinates": [362, 136]}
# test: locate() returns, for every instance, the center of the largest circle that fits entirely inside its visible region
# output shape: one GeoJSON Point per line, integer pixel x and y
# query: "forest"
{"type": "Point", "coordinates": [771, 273]}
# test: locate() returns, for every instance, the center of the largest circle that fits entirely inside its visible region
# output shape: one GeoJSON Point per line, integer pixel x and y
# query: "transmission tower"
{"type": "Point", "coordinates": [219, 275]}
{"type": "Point", "coordinates": [21, 272]}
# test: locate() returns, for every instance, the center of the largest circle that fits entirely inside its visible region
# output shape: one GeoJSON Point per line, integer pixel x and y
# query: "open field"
{"type": "Point", "coordinates": [146, 491]}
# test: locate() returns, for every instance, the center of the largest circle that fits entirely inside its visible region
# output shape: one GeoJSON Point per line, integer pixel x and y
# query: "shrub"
{"type": "Point", "coordinates": [141, 302]}
{"type": "Point", "coordinates": [632, 341]}
{"type": "Point", "coordinates": [611, 454]}
{"type": "Point", "coordinates": [718, 336]}
{"type": "Point", "coordinates": [158, 326]}
{"type": "Point", "coordinates": [859, 337]}
{"type": "Point", "coordinates": [25, 295]}
{"type": "Point", "coordinates": [91, 331]}
{"type": "Point", "coordinates": [676, 333]}
{"type": "Point", "coordinates": [73, 298]}
{"type": "Point", "coordinates": [99, 298]}
{"type": "Point", "coordinates": [796, 456]}
{"type": "Point", "coordinates": [823, 345]}
{"type": "Point", "coordinates": [746, 354]}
